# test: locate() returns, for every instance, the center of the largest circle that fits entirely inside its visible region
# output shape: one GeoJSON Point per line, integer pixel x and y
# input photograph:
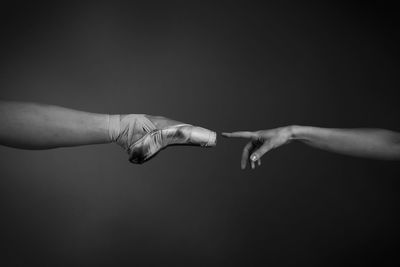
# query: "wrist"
{"type": "Point", "coordinates": [296, 132]}
{"type": "Point", "coordinates": [114, 127]}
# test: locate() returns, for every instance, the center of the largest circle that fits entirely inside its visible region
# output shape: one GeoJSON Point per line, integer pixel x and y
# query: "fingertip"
{"type": "Point", "coordinates": [243, 165]}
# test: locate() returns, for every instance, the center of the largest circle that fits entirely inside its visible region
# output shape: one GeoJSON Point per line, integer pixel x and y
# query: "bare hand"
{"type": "Point", "coordinates": [261, 142]}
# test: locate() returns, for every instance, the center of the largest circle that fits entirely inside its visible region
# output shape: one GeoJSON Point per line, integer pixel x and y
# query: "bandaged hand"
{"type": "Point", "coordinates": [143, 136]}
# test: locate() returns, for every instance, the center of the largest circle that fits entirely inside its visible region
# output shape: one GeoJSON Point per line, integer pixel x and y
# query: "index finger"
{"type": "Point", "coordinates": [241, 134]}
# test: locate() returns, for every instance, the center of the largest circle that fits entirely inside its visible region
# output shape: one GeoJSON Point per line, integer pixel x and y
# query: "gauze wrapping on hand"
{"type": "Point", "coordinates": [140, 137]}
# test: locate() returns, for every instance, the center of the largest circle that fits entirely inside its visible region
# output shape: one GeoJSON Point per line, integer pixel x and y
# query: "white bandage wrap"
{"type": "Point", "coordinates": [140, 137]}
{"type": "Point", "coordinates": [114, 127]}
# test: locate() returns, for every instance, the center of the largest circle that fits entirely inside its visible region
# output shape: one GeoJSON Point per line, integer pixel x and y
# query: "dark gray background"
{"type": "Point", "coordinates": [225, 67]}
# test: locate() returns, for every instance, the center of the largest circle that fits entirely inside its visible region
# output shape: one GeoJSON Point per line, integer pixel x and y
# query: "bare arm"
{"type": "Point", "coordinates": [39, 126]}
{"type": "Point", "coordinates": [372, 143]}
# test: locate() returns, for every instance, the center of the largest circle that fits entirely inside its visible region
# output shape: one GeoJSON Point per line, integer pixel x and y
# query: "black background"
{"type": "Point", "coordinates": [222, 66]}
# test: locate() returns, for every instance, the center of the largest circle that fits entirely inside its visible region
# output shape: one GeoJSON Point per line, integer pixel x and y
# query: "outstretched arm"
{"type": "Point", "coordinates": [38, 126]}
{"type": "Point", "coordinates": [372, 143]}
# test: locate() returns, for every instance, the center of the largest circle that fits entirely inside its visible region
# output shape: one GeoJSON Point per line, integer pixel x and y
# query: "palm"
{"type": "Point", "coordinates": [260, 143]}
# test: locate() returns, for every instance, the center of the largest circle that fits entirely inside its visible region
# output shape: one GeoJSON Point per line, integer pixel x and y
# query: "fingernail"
{"type": "Point", "coordinates": [253, 157]}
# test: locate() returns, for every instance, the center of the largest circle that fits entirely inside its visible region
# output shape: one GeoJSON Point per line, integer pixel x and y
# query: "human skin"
{"type": "Point", "coordinates": [369, 143]}
{"type": "Point", "coordinates": [40, 126]}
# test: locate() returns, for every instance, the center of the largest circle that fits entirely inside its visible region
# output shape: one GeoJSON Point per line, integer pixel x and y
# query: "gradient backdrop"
{"type": "Point", "coordinates": [225, 67]}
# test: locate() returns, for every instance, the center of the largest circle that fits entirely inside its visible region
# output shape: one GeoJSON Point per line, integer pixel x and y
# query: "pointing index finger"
{"type": "Point", "coordinates": [240, 134]}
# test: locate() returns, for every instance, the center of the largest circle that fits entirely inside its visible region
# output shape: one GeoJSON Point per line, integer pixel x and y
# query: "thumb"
{"type": "Point", "coordinates": [256, 155]}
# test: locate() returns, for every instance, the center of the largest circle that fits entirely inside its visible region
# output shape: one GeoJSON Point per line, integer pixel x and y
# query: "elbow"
{"type": "Point", "coordinates": [388, 146]}
{"type": "Point", "coordinates": [397, 145]}
{"type": "Point", "coordinates": [397, 138]}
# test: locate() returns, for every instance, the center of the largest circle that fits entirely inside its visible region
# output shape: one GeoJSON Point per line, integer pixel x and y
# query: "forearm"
{"type": "Point", "coordinates": [38, 126]}
{"type": "Point", "coordinates": [373, 143]}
